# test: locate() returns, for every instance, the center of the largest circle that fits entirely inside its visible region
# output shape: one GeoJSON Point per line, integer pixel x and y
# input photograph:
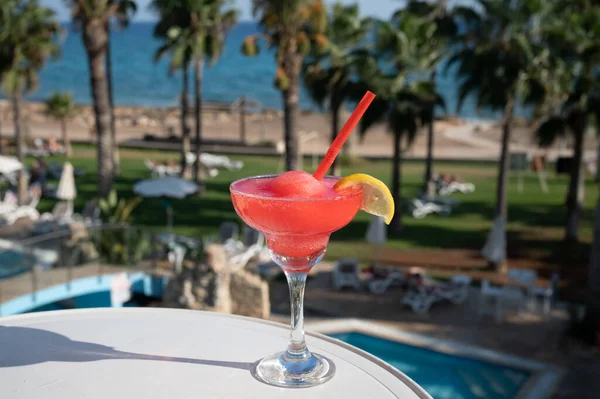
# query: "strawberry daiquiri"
{"type": "Point", "coordinates": [297, 212]}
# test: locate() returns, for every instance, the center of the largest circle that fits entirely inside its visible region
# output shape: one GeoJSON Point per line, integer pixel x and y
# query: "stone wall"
{"type": "Point", "coordinates": [210, 286]}
{"type": "Point", "coordinates": [249, 295]}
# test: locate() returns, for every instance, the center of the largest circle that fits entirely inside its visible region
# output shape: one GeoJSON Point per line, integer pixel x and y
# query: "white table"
{"type": "Point", "coordinates": [165, 353]}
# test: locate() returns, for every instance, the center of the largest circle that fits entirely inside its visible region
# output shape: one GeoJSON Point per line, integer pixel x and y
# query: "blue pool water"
{"type": "Point", "coordinates": [443, 376]}
{"type": "Point", "coordinates": [11, 263]}
{"type": "Point", "coordinates": [95, 300]}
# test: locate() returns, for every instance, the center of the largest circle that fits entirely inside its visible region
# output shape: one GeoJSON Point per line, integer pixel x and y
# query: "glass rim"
{"type": "Point", "coordinates": [285, 199]}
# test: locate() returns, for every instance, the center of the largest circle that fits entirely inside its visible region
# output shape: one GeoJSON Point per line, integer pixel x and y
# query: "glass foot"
{"type": "Point", "coordinates": [282, 371]}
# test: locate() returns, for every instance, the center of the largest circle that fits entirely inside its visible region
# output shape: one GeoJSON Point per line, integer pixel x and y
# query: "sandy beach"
{"type": "Point", "coordinates": [454, 138]}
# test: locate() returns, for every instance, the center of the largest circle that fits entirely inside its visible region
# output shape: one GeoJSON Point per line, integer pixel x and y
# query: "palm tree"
{"type": "Point", "coordinates": [500, 64]}
{"type": "Point", "coordinates": [289, 26]}
{"type": "Point", "coordinates": [28, 38]}
{"type": "Point", "coordinates": [438, 14]}
{"type": "Point", "coordinates": [60, 106]}
{"type": "Point", "coordinates": [329, 76]}
{"type": "Point", "coordinates": [122, 16]}
{"type": "Point", "coordinates": [401, 102]}
{"type": "Point", "coordinates": [201, 26]}
{"type": "Point", "coordinates": [576, 41]}
{"type": "Point", "coordinates": [92, 17]}
{"type": "Point", "coordinates": [176, 43]}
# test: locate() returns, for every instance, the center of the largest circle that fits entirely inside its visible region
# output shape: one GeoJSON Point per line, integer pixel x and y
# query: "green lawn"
{"type": "Point", "coordinates": [535, 218]}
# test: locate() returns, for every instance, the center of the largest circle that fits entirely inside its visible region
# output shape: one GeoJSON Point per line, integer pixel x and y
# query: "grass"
{"type": "Point", "coordinates": [535, 218]}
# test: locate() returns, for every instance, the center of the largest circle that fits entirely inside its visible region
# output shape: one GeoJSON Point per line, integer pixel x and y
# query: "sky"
{"type": "Point", "coordinates": [375, 8]}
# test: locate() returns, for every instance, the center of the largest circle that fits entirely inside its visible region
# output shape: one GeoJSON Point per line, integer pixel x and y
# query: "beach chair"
{"type": "Point", "coordinates": [10, 217]}
{"type": "Point", "coordinates": [381, 285]}
{"type": "Point", "coordinates": [456, 187]}
{"type": "Point", "coordinates": [421, 208]}
{"type": "Point", "coordinates": [424, 292]}
{"type": "Point", "coordinates": [346, 273]}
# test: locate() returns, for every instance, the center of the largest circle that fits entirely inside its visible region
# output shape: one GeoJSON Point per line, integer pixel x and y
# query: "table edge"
{"type": "Point", "coordinates": [413, 386]}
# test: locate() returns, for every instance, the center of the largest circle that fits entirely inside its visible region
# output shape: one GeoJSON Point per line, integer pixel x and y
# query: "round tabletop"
{"type": "Point", "coordinates": [166, 353]}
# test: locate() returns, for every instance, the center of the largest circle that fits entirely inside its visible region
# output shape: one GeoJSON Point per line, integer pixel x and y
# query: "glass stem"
{"type": "Point", "coordinates": [297, 347]}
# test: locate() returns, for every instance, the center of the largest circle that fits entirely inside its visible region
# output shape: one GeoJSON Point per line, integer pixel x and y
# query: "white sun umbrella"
{"type": "Point", "coordinates": [167, 187]}
{"type": "Point", "coordinates": [66, 186]}
{"type": "Point", "coordinates": [9, 165]}
{"type": "Point", "coordinates": [377, 234]}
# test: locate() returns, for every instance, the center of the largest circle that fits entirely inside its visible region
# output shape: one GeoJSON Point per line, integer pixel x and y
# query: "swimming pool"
{"type": "Point", "coordinates": [442, 375]}
{"type": "Point", "coordinates": [12, 263]}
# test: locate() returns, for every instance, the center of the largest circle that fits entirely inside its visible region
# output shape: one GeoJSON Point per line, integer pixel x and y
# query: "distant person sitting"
{"type": "Point", "coordinates": [53, 146]}
{"type": "Point", "coordinates": [456, 179]}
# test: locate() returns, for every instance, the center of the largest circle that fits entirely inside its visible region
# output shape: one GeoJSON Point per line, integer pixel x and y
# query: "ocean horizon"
{"type": "Point", "coordinates": [139, 81]}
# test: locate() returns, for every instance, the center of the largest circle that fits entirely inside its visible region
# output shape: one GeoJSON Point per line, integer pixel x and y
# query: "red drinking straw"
{"type": "Point", "coordinates": [342, 136]}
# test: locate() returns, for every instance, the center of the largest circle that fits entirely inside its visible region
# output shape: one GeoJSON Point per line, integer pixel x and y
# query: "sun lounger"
{"type": "Point", "coordinates": [424, 292]}
{"type": "Point", "coordinates": [456, 187]}
{"type": "Point", "coordinates": [381, 285]}
{"type": "Point", "coordinates": [10, 216]}
{"type": "Point", "coordinates": [422, 208]}
{"type": "Point", "coordinates": [212, 161]}
{"type": "Point", "coordinates": [61, 214]}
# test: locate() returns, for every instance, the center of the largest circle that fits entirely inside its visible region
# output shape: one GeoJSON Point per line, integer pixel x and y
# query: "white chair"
{"type": "Point", "coordinates": [525, 280]}
{"type": "Point", "coordinates": [502, 296]}
{"type": "Point", "coordinates": [346, 273]}
{"type": "Point", "coordinates": [249, 248]}
{"type": "Point", "coordinates": [546, 293]}
{"type": "Point", "coordinates": [176, 255]}
{"type": "Point", "coordinates": [62, 212]}
{"type": "Point", "coordinates": [489, 292]}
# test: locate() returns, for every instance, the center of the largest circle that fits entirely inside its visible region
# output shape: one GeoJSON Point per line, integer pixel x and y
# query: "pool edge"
{"type": "Point", "coordinates": [540, 385]}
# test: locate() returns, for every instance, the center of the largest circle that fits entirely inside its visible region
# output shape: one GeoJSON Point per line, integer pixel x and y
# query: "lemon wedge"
{"type": "Point", "coordinates": [377, 199]}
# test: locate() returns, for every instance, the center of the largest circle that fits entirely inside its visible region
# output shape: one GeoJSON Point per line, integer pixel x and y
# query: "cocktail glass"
{"type": "Point", "coordinates": [297, 231]}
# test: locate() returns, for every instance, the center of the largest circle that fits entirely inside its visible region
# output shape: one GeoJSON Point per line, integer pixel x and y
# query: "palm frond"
{"type": "Point", "coordinates": [549, 129]}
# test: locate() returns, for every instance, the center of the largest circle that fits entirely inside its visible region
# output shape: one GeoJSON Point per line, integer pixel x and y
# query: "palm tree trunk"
{"type": "Point", "coordinates": [396, 223]}
{"type": "Point", "coordinates": [95, 38]}
{"type": "Point", "coordinates": [22, 185]}
{"type": "Point", "coordinates": [243, 120]}
{"type": "Point", "coordinates": [429, 160]}
{"type": "Point", "coordinates": [65, 138]}
{"type": "Point", "coordinates": [430, 138]}
{"type": "Point", "coordinates": [574, 204]}
{"type": "Point", "coordinates": [335, 121]}
{"type": "Point", "coordinates": [501, 202]}
{"type": "Point", "coordinates": [290, 113]}
{"type": "Point", "coordinates": [1, 139]}
{"type": "Point", "coordinates": [198, 106]}
{"type": "Point", "coordinates": [503, 166]}
{"type": "Point", "coordinates": [185, 131]}
{"type": "Point", "coordinates": [116, 163]}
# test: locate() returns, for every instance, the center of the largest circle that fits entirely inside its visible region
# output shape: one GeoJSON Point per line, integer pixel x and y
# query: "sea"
{"type": "Point", "coordinates": [140, 81]}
